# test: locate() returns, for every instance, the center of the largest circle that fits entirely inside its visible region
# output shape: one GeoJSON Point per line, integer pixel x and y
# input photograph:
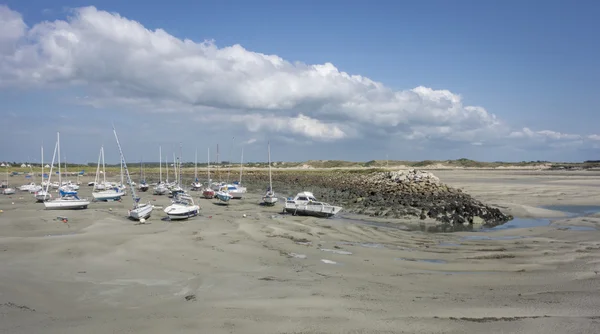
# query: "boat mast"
{"type": "Point", "coordinates": [229, 162]}
{"type": "Point", "coordinates": [167, 165]}
{"type": "Point", "coordinates": [51, 167]}
{"type": "Point", "coordinates": [196, 167]}
{"type": "Point", "coordinates": [160, 163]}
{"type": "Point", "coordinates": [124, 166]}
{"type": "Point", "coordinates": [103, 166]}
{"type": "Point", "coordinates": [208, 167]}
{"type": "Point", "coordinates": [97, 178]}
{"type": "Point", "coordinates": [42, 183]}
{"type": "Point", "coordinates": [270, 180]}
{"type": "Point", "coordinates": [59, 173]}
{"type": "Point", "coordinates": [241, 164]}
{"type": "Point", "coordinates": [175, 168]}
{"type": "Point", "coordinates": [180, 163]}
{"type": "Point", "coordinates": [218, 164]}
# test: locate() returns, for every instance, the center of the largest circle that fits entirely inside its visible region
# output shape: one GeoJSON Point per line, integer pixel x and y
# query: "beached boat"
{"type": "Point", "coordinates": [269, 198]}
{"type": "Point", "coordinates": [7, 190]}
{"type": "Point", "coordinates": [306, 204]}
{"type": "Point", "coordinates": [68, 200]}
{"type": "Point", "coordinates": [223, 194]}
{"type": "Point", "coordinates": [113, 194]}
{"type": "Point", "coordinates": [139, 211]}
{"type": "Point", "coordinates": [160, 188]}
{"type": "Point", "coordinates": [143, 186]}
{"type": "Point", "coordinates": [183, 207]}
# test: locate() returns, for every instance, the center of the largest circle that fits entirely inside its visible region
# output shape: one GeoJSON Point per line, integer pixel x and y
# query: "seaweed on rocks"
{"type": "Point", "coordinates": [395, 194]}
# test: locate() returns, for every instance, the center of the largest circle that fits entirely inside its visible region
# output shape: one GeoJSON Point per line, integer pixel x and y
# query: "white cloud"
{"type": "Point", "coordinates": [250, 141]}
{"type": "Point", "coordinates": [122, 63]}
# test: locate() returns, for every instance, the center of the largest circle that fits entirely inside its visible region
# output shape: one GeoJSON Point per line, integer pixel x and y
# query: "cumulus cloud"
{"type": "Point", "coordinates": [121, 62]}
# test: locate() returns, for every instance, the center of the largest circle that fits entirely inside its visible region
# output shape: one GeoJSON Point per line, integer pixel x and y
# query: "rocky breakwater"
{"type": "Point", "coordinates": [400, 194]}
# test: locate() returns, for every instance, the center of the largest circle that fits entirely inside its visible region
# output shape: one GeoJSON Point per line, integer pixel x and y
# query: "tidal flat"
{"type": "Point", "coordinates": [266, 272]}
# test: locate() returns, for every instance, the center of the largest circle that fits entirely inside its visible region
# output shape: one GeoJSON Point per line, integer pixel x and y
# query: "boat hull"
{"type": "Point", "coordinates": [175, 213]}
{"type": "Point", "coordinates": [142, 212]}
{"type": "Point", "coordinates": [269, 200]}
{"type": "Point", "coordinates": [224, 197]}
{"type": "Point", "coordinates": [66, 205]}
{"type": "Point", "coordinates": [208, 194]}
{"type": "Point", "coordinates": [312, 210]}
{"type": "Point", "coordinates": [108, 196]}
{"type": "Point", "coordinates": [9, 191]}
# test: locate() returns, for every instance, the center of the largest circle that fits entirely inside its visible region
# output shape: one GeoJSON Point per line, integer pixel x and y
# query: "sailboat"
{"type": "Point", "coordinates": [237, 190]}
{"type": "Point", "coordinates": [67, 199]}
{"type": "Point", "coordinates": [139, 211]}
{"type": "Point", "coordinates": [143, 186]}
{"type": "Point", "coordinates": [196, 185]}
{"type": "Point", "coordinates": [208, 192]}
{"type": "Point", "coordinates": [112, 194]}
{"type": "Point", "coordinates": [161, 187]}
{"type": "Point", "coordinates": [42, 195]}
{"type": "Point", "coordinates": [269, 198]}
{"type": "Point", "coordinates": [8, 190]}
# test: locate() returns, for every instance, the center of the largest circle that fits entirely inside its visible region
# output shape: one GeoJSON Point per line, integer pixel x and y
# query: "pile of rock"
{"type": "Point", "coordinates": [395, 194]}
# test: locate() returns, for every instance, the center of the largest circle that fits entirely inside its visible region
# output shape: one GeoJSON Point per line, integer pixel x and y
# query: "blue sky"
{"type": "Point", "coordinates": [530, 67]}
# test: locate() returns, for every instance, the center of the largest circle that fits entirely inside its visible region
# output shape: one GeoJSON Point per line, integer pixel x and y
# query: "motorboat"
{"type": "Point", "coordinates": [236, 190]}
{"type": "Point", "coordinates": [113, 194]}
{"type": "Point", "coordinates": [223, 194]}
{"type": "Point", "coordinates": [208, 193]}
{"type": "Point", "coordinates": [183, 207]}
{"type": "Point", "coordinates": [306, 204]}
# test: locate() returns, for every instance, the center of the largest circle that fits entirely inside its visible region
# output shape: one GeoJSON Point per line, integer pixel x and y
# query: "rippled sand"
{"type": "Point", "coordinates": [273, 273]}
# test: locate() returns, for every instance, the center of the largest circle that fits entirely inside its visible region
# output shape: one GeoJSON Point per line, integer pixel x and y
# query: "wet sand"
{"type": "Point", "coordinates": [272, 273]}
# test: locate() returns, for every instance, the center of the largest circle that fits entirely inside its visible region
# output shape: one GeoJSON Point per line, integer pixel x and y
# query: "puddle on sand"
{"type": "Point", "coordinates": [458, 272]}
{"type": "Point", "coordinates": [362, 244]}
{"type": "Point", "coordinates": [485, 237]}
{"type": "Point", "coordinates": [328, 261]}
{"type": "Point", "coordinates": [577, 228]}
{"type": "Point", "coordinates": [422, 260]}
{"type": "Point", "coordinates": [342, 252]}
{"type": "Point", "coordinates": [519, 223]}
{"type": "Point", "coordinates": [574, 210]}
{"type": "Point", "coordinates": [448, 244]}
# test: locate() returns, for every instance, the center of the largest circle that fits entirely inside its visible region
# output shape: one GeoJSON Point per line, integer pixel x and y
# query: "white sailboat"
{"type": "Point", "coordinates": [196, 185]}
{"type": "Point", "coordinates": [8, 190]}
{"type": "Point", "coordinates": [67, 200]}
{"type": "Point", "coordinates": [143, 186]}
{"type": "Point", "coordinates": [139, 211]}
{"type": "Point", "coordinates": [269, 198]}
{"type": "Point", "coordinates": [208, 192]}
{"type": "Point", "coordinates": [238, 191]}
{"type": "Point", "coordinates": [112, 194]}
{"type": "Point", "coordinates": [161, 187]}
{"type": "Point", "coordinates": [42, 195]}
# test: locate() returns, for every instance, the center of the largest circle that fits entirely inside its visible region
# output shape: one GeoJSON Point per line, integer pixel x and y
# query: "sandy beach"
{"type": "Point", "coordinates": [266, 272]}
